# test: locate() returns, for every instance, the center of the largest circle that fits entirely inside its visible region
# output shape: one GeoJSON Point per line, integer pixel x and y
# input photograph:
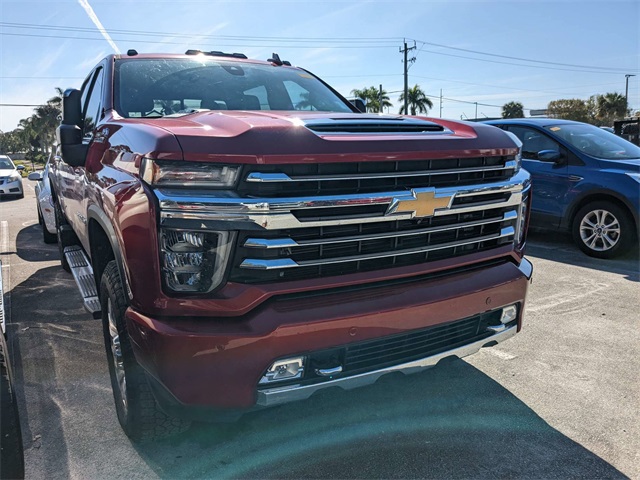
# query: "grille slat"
{"type": "Point", "coordinates": [273, 181]}
{"type": "Point", "coordinates": [342, 249]}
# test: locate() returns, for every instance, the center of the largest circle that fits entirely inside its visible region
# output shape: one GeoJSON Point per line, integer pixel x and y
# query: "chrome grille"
{"type": "Point", "coordinates": [308, 179]}
{"type": "Point", "coordinates": [300, 253]}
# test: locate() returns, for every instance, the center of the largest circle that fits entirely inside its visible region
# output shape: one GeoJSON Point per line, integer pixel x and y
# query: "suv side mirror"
{"type": "Point", "coordinates": [359, 104]}
{"type": "Point", "coordinates": [549, 155]}
{"type": "Point", "coordinates": [69, 133]}
{"type": "Point", "coordinates": [20, 167]}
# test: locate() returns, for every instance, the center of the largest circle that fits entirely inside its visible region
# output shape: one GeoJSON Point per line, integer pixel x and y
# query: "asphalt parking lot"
{"type": "Point", "coordinates": [559, 400]}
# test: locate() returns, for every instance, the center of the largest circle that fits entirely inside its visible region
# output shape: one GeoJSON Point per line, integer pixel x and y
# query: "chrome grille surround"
{"type": "Point", "coordinates": [478, 217]}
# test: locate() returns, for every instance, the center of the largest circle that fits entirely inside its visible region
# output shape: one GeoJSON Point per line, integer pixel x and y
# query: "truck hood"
{"type": "Point", "coordinates": [263, 134]}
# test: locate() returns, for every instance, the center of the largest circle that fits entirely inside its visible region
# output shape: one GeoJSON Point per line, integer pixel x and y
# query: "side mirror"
{"type": "Point", "coordinates": [35, 176]}
{"type": "Point", "coordinates": [359, 104]}
{"type": "Point", "coordinates": [69, 133]}
{"type": "Point", "coordinates": [549, 155]}
{"type": "Point", "coordinates": [20, 167]}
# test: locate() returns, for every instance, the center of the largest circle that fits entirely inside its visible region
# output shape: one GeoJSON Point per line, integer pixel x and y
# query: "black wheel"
{"type": "Point", "coordinates": [40, 220]}
{"type": "Point", "coordinates": [61, 222]}
{"type": "Point", "coordinates": [603, 229]}
{"type": "Point", "coordinates": [47, 236]}
{"type": "Point", "coordinates": [138, 412]}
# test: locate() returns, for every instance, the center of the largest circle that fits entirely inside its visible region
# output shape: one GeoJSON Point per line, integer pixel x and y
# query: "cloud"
{"type": "Point", "coordinates": [96, 21]}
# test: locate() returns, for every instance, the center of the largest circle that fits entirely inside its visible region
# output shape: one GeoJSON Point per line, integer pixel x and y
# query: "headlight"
{"type": "Point", "coordinates": [635, 176]}
{"type": "Point", "coordinates": [518, 158]}
{"type": "Point", "coordinates": [194, 262]}
{"type": "Point", "coordinates": [15, 177]}
{"type": "Point", "coordinates": [160, 173]}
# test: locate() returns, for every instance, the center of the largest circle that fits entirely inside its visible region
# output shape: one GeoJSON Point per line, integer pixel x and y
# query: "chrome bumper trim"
{"type": "Point", "coordinates": [277, 213]}
{"type": "Point", "coordinates": [290, 393]}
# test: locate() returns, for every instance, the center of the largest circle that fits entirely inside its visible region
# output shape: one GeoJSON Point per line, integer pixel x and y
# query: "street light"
{"type": "Point", "coordinates": [626, 90]}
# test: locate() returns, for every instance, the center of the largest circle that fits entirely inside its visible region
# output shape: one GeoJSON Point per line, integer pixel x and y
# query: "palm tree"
{"type": "Point", "coordinates": [417, 101]}
{"type": "Point", "coordinates": [372, 96]}
{"type": "Point", "coordinates": [512, 110]}
{"type": "Point", "coordinates": [609, 107]}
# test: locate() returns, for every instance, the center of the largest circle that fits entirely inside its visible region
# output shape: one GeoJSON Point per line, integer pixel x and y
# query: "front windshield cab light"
{"type": "Point", "coordinates": [164, 173]}
{"type": "Point", "coordinates": [635, 176]}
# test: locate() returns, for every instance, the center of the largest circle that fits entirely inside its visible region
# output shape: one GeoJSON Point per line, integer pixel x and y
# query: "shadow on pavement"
{"type": "Point", "coordinates": [559, 247]}
{"type": "Point", "coordinates": [450, 422]}
{"type": "Point", "coordinates": [31, 248]}
{"type": "Point", "coordinates": [37, 315]}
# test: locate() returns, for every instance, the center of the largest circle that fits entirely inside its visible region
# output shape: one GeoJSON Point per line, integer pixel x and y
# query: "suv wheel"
{"type": "Point", "coordinates": [138, 412]}
{"type": "Point", "coordinates": [603, 230]}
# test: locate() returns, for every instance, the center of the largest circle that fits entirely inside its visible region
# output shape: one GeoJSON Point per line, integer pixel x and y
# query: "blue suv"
{"type": "Point", "coordinates": [585, 180]}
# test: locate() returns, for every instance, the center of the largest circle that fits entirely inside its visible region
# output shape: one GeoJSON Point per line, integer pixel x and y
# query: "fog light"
{"type": "Point", "coordinates": [509, 314]}
{"type": "Point", "coordinates": [288, 369]}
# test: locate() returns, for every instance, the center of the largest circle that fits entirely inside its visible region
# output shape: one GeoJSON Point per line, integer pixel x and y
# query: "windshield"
{"type": "Point", "coordinates": [595, 141]}
{"type": "Point", "coordinates": [6, 164]}
{"type": "Point", "coordinates": [162, 87]}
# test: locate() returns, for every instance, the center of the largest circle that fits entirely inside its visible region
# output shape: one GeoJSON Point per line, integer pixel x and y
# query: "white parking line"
{"type": "Point", "coordinates": [500, 354]}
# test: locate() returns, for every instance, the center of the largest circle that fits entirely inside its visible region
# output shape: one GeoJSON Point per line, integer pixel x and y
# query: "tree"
{"type": "Point", "coordinates": [417, 101]}
{"type": "Point", "coordinates": [371, 95]}
{"type": "Point", "coordinates": [512, 110]}
{"type": "Point", "coordinates": [570, 109]}
{"type": "Point", "coordinates": [609, 107]}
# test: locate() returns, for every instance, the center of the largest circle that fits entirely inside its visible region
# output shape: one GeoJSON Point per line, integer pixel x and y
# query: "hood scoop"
{"type": "Point", "coordinates": [374, 125]}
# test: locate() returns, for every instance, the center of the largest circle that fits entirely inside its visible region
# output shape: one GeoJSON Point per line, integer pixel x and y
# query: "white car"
{"type": "Point", "coordinates": [44, 204]}
{"type": "Point", "coordinates": [10, 178]}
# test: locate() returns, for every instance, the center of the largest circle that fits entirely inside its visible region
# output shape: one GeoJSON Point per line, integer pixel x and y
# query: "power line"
{"type": "Point", "coordinates": [394, 40]}
{"type": "Point", "coordinates": [520, 64]}
{"type": "Point", "coordinates": [365, 42]}
{"type": "Point", "coordinates": [590, 67]}
{"type": "Point", "coordinates": [101, 39]}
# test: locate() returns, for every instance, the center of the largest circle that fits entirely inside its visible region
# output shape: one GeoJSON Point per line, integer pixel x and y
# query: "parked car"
{"type": "Point", "coordinates": [44, 204]}
{"type": "Point", "coordinates": [10, 178]}
{"type": "Point", "coordinates": [585, 180]}
{"type": "Point", "coordinates": [11, 451]}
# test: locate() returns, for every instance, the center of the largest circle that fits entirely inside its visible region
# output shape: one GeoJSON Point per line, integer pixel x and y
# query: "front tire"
{"type": "Point", "coordinates": [603, 229]}
{"type": "Point", "coordinates": [138, 412]}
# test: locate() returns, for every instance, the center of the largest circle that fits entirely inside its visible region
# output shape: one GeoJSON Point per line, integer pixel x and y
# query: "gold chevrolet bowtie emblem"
{"type": "Point", "coordinates": [423, 204]}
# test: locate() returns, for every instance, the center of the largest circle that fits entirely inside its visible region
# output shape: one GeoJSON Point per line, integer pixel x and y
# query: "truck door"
{"type": "Point", "coordinates": [550, 179]}
{"type": "Point", "coordinates": [75, 178]}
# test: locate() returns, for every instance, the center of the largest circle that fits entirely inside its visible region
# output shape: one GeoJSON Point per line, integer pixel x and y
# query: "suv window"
{"type": "Point", "coordinates": [533, 141]}
{"type": "Point", "coordinates": [93, 106]}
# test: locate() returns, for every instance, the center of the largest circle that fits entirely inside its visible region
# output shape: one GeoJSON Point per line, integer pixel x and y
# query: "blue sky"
{"type": "Point", "coordinates": [350, 44]}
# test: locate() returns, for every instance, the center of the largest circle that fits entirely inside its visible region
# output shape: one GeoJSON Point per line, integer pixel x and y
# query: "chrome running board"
{"type": "Point", "coordinates": [83, 275]}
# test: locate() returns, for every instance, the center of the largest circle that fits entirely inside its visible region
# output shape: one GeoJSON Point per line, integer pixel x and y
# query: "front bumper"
{"type": "Point", "coordinates": [11, 188]}
{"type": "Point", "coordinates": [215, 364]}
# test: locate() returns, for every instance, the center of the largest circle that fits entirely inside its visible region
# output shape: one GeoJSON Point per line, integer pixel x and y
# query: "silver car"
{"type": "Point", "coordinates": [10, 178]}
{"type": "Point", "coordinates": [44, 204]}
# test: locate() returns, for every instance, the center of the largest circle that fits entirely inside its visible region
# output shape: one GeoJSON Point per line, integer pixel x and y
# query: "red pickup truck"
{"type": "Point", "coordinates": [248, 236]}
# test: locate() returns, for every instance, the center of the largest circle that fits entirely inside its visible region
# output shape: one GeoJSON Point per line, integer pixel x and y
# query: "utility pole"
{"type": "Point", "coordinates": [626, 91]}
{"type": "Point", "coordinates": [476, 110]}
{"type": "Point", "coordinates": [405, 51]}
{"type": "Point", "coordinates": [440, 103]}
{"type": "Point", "coordinates": [380, 100]}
